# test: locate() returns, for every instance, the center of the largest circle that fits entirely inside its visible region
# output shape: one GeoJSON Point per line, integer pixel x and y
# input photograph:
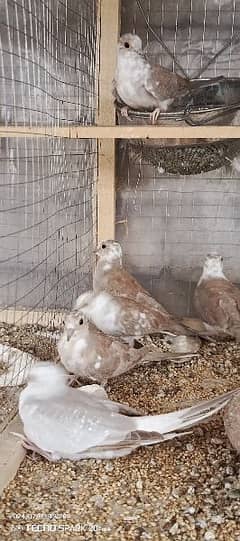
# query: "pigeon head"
{"type": "Point", "coordinates": [75, 322]}
{"type": "Point", "coordinates": [213, 266]}
{"type": "Point", "coordinates": [109, 250]}
{"type": "Point", "coordinates": [214, 262]}
{"type": "Point", "coordinates": [131, 42]}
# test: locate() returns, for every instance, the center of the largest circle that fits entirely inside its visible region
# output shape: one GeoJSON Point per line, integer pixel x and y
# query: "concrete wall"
{"type": "Point", "coordinates": [167, 224]}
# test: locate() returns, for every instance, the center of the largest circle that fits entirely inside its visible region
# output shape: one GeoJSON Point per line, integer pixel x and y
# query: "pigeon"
{"type": "Point", "coordinates": [124, 317]}
{"type": "Point", "coordinates": [88, 353]}
{"type": "Point", "coordinates": [142, 86]}
{"type": "Point", "coordinates": [110, 276]}
{"type": "Point", "coordinates": [216, 299]}
{"type": "Point", "coordinates": [64, 423]}
{"type": "Point", "coordinates": [232, 421]}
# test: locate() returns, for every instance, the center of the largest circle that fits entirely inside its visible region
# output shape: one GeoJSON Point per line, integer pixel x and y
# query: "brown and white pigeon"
{"type": "Point", "coordinates": [142, 86]}
{"type": "Point", "coordinates": [88, 353]}
{"type": "Point", "coordinates": [124, 317]}
{"type": "Point", "coordinates": [65, 423]}
{"type": "Point", "coordinates": [216, 299]}
{"type": "Point", "coordinates": [111, 276]}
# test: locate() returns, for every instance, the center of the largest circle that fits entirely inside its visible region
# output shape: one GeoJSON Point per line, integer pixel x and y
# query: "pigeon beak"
{"type": "Point", "coordinates": [69, 334]}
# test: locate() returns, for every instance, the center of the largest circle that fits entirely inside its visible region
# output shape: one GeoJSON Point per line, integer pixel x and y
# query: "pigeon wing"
{"type": "Point", "coordinates": [72, 423]}
{"type": "Point", "coordinates": [218, 302]}
{"type": "Point", "coordinates": [121, 282]}
{"type": "Point", "coordinates": [163, 84]}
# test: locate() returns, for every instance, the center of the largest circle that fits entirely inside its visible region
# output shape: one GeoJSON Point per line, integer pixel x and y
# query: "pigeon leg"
{"type": "Point", "coordinates": [36, 450]}
{"type": "Point", "coordinates": [124, 112]}
{"type": "Point", "coordinates": [73, 380]}
{"type": "Point", "coordinates": [155, 114]}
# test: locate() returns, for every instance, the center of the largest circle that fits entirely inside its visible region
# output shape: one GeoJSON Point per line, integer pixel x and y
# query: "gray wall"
{"type": "Point", "coordinates": [167, 224]}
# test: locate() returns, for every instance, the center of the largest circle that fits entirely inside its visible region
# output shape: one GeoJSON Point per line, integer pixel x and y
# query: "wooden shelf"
{"type": "Point", "coordinates": [125, 132]}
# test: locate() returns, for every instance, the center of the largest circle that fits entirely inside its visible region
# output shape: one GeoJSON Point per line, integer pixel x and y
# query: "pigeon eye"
{"type": "Point", "coordinates": [104, 246]}
{"type": "Point", "coordinates": [126, 45]}
{"type": "Point", "coordinates": [81, 321]}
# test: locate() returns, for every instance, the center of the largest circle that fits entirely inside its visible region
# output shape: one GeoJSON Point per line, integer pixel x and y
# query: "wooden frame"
{"type": "Point", "coordinates": [125, 132]}
{"type": "Point", "coordinates": [31, 317]}
{"type": "Point", "coordinates": [106, 132]}
{"type": "Point", "coordinates": [109, 26]}
{"type": "Point", "coordinates": [12, 452]}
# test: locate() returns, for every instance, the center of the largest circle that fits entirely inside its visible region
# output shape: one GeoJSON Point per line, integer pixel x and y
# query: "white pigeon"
{"type": "Point", "coordinates": [65, 423]}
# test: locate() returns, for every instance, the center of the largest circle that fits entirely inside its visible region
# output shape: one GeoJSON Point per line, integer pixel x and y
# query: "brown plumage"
{"type": "Point", "coordinates": [212, 331]}
{"type": "Point", "coordinates": [110, 276]}
{"type": "Point", "coordinates": [120, 316]}
{"type": "Point", "coordinates": [142, 86]}
{"type": "Point", "coordinates": [216, 299]}
{"type": "Point", "coordinates": [88, 353]}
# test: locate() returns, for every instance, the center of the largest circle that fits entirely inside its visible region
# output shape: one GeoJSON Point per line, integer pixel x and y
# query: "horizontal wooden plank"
{"type": "Point", "coordinates": [31, 317]}
{"type": "Point", "coordinates": [12, 452]}
{"type": "Point", "coordinates": [125, 132]}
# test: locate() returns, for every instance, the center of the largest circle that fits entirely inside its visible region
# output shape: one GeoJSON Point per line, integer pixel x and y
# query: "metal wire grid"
{"type": "Point", "coordinates": [167, 224]}
{"type": "Point", "coordinates": [48, 62]}
{"type": "Point", "coordinates": [193, 30]}
{"type": "Point", "coordinates": [47, 236]}
{"type": "Point", "coordinates": [47, 220]}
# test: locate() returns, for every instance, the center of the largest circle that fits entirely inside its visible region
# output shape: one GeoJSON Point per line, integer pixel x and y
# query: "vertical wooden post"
{"type": "Point", "coordinates": [109, 32]}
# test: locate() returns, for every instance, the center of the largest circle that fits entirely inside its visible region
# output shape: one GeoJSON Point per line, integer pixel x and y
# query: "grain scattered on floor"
{"type": "Point", "coordinates": [187, 489]}
{"type": "Point", "coordinates": [26, 338]}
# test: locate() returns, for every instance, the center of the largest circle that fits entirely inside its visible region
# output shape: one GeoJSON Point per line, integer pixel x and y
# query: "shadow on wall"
{"type": "Point", "coordinates": [176, 295]}
{"type": "Point", "coordinates": [167, 224]}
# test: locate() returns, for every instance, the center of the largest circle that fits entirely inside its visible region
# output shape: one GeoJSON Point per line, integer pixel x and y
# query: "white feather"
{"type": "Point", "coordinates": [78, 423]}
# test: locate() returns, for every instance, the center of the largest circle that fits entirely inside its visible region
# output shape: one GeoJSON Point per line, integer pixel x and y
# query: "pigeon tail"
{"type": "Point", "coordinates": [166, 423]}
{"type": "Point", "coordinates": [150, 356]}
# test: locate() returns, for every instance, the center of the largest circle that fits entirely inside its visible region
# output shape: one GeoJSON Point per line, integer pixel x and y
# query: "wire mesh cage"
{"type": "Point", "coordinates": [48, 56]}
{"type": "Point", "coordinates": [47, 236]}
{"type": "Point", "coordinates": [194, 39]}
{"type": "Point", "coordinates": [48, 77]}
{"type": "Point", "coordinates": [167, 224]}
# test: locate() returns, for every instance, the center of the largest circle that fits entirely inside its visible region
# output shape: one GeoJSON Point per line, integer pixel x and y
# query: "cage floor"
{"type": "Point", "coordinates": [187, 489]}
{"type": "Point", "coordinates": [29, 338]}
